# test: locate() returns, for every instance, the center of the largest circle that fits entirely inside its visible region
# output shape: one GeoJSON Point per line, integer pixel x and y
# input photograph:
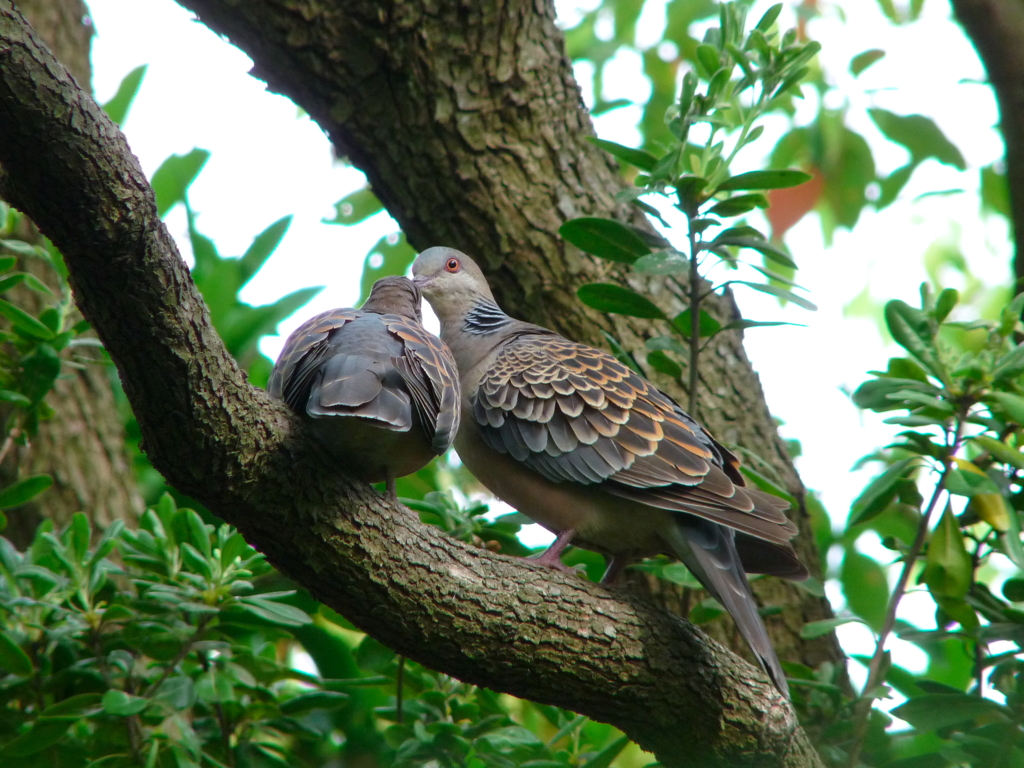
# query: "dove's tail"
{"type": "Point", "coordinates": [709, 551]}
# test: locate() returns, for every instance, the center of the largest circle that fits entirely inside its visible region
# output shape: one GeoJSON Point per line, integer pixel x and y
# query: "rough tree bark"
{"type": "Point", "coordinates": [496, 621]}
{"type": "Point", "coordinates": [83, 448]}
{"type": "Point", "coordinates": [468, 122]}
{"type": "Point", "coordinates": [996, 27]}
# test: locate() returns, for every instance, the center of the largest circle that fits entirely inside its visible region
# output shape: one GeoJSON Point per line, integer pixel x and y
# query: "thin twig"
{"type": "Point", "coordinates": [863, 710]}
{"type": "Point", "coordinates": [11, 437]}
{"type": "Point", "coordinates": [694, 340]}
{"type": "Point", "coordinates": [399, 685]}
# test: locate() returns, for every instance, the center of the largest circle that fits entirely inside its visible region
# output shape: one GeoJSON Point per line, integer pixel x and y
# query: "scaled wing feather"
{"type": "Point", "coordinates": [576, 414]}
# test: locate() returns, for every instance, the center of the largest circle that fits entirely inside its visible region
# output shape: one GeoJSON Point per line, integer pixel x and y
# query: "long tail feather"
{"type": "Point", "coordinates": [709, 551]}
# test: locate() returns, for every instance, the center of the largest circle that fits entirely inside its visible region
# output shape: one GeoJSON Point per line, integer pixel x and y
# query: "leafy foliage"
{"type": "Point", "coordinates": [35, 347]}
{"type": "Point", "coordinates": [747, 74]}
{"type": "Point", "coordinates": [957, 393]}
{"type": "Point", "coordinates": [185, 654]}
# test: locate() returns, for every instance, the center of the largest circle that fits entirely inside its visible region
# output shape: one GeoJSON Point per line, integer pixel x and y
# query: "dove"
{"type": "Point", "coordinates": [599, 456]}
{"type": "Point", "coordinates": [378, 390]}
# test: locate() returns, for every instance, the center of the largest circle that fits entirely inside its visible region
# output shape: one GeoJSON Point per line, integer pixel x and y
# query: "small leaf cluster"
{"type": "Point", "coordinates": [469, 524]}
{"type": "Point", "coordinates": [745, 76]}
{"type": "Point", "coordinates": [36, 347]}
{"type": "Point", "coordinates": [170, 660]}
{"type": "Point", "coordinates": [461, 726]}
{"type": "Point", "coordinates": [958, 393]}
{"type": "Point", "coordinates": [173, 645]}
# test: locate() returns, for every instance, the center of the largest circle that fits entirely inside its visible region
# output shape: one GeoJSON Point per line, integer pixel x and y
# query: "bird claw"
{"type": "Point", "coordinates": [556, 564]}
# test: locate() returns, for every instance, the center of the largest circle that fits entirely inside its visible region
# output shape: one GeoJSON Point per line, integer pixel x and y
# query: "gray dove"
{"type": "Point", "coordinates": [580, 443]}
{"type": "Point", "coordinates": [377, 389]}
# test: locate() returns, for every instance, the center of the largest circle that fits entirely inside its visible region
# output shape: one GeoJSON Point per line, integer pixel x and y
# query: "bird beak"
{"type": "Point", "coordinates": [421, 281]}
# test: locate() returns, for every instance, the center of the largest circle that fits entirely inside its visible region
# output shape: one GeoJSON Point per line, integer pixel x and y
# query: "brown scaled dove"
{"type": "Point", "coordinates": [577, 441]}
{"type": "Point", "coordinates": [377, 389]}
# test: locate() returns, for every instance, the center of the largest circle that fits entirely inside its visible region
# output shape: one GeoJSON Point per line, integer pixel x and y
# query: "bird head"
{"type": "Point", "coordinates": [450, 281]}
{"type": "Point", "coordinates": [395, 295]}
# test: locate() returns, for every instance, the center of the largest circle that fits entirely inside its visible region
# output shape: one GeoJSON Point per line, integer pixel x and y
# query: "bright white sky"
{"type": "Point", "coordinates": [269, 161]}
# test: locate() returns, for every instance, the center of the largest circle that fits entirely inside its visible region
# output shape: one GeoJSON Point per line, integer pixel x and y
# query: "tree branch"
{"type": "Point", "coordinates": [469, 124]}
{"type": "Point", "coordinates": [996, 27]}
{"type": "Point", "coordinates": [488, 619]}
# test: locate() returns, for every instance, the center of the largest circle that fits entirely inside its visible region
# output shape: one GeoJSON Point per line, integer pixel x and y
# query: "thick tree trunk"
{"type": "Point", "coordinates": [496, 621]}
{"type": "Point", "coordinates": [468, 122]}
{"type": "Point", "coordinates": [996, 27]}
{"type": "Point", "coordinates": [83, 446]}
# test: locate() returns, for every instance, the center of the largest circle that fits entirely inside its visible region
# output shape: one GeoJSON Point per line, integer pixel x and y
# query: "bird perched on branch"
{"type": "Point", "coordinates": [598, 455]}
{"type": "Point", "coordinates": [378, 390]}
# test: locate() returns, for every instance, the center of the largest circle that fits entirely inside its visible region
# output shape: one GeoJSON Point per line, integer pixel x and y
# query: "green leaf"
{"type": "Point", "coordinates": [881, 492]}
{"type": "Point", "coordinates": [13, 658]}
{"type": "Point", "coordinates": [604, 758]}
{"type": "Point", "coordinates": [355, 207]}
{"type": "Point", "coordinates": [744, 324]}
{"type": "Point", "coordinates": [277, 613]}
{"type": "Point", "coordinates": [707, 326]}
{"type": "Point", "coordinates": [932, 711]}
{"type": "Point", "coordinates": [44, 733]}
{"type": "Point", "coordinates": [214, 686]}
{"type": "Point", "coordinates": [1013, 590]}
{"type": "Point", "coordinates": [395, 256]}
{"type": "Point", "coordinates": [948, 570]}
{"type": "Point", "coordinates": [122, 704]}
{"type": "Point", "coordinates": [969, 483]}
{"type": "Point", "coordinates": [176, 692]}
{"type": "Point", "coordinates": [769, 18]}
{"type": "Point", "coordinates": [912, 330]}
{"type": "Point", "coordinates": [758, 244]}
{"type": "Point", "coordinates": [605, 238]}
{"type": "Point", "coordinates": [1011, 540]}
{"type": "Point", "coordinates": [643, 160]}
{"type": "Point", "coordinates": [73, 707]}
{"type": "Point", "coordinates": [862, 61]}
{"type": "Point", "coordinates": [24, 322]}
{"type": "Point", "coordinates": [175, 175]}
{"type": "Point", "coordinates": [708, 57]}
{"type": "Point", "coordinates": [995, 193]}
{"type": "Point", "coordinates": [782, 293]}
{"type": "Point", "coordinates": [662, 263]}
{"type": "Point", "coordinates": [307, 702]}
{"type": "Point", "coordinates": [1010, 365]}
{"type": "Point", "coordinates": [876, 394]}
{"type": "Point", "coordinates": [117, 108]}
{"type": "Point", "coordinates": [608, 297]}
{"type": "Point", "coordinates": [738, 205]}
{"type": "Point", "coordinates": [263, 245]}
{"type": "Point", "coordinates": [662, 363]}
{"type": "Point", "coordinates": [1010, 404]}
{"type": "Point", "coordinates": [813, 629]}
{"type": "Point", "coordinates": [865, 588]}
{"type": "Point", "coordinates": [78, 534]}
{"type": "Point", "coordinates": [919, 135]}
{"type": "Point", "coordinates": [779, 179]}
{"type": "Point", "coordinates": [945, 303]}
{"type": "Point", "coordinates": [1000, 450]}
{"type": "Point", "coordinates": [24, 491]}
{"type": "Point", "coordinates": [198, 535]}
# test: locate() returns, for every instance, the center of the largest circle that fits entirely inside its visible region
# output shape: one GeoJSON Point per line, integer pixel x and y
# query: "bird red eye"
{"type": "Point", "coordinates": [452, 265]}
